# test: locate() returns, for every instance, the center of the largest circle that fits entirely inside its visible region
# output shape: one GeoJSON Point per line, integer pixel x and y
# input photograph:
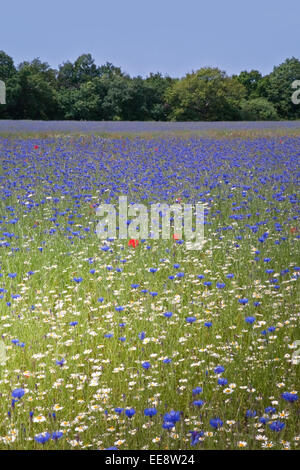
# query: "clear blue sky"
{"type": "Point", "coordinates": [170, 36]}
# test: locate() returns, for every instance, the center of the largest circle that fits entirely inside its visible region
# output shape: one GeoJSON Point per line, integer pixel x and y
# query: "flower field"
{"type": "Point", "coordinates": [143, 344]}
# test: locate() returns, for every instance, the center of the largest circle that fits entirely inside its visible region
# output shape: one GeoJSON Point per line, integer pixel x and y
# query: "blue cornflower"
{"type": "Point", "coordinates": [150, 412]}
{"type": "Point", "coordinates": [56, 435]}
{"type": "Point", "coordinates": [220, 285]}
{"type": "Point", "coordinates": [276, 426]}
{"type": "Point", "coordinates": [195, 435]}
{"type": "Point", "coordinates": [250, 320]}
{"type": "Point", "coordinates": [18, 393]}
{"type": "Point", "coordinates": [180, 274]}
{"type": "Point", "coordinates": [219, 370]}
{"type": "Point", "coordinates": [172, 416]}
{"type": "Point", "coordinates": [42, 438]}
{"type": "Point", "coordinates": [222, 381]}
{"type": "Point", "coordinates": [168, 425]}
{"type": "Point", "coordinates": [119, 410]}
{"type": "Point", "coordinates": [146, 365]}
{"type": "Point", "coordinates": [291, 397]}
{"type": "Point", "coordinates": [263, 420]}
{"type": "Point", "coordinates": [60, 363]}
{"type": "Point", "coordinates": [190, 319]}
{"type": "Point", "coordinates": [198, 402]}
{"type": "Point", "coordinates": [216, 423]}
{"type": "Point", "coordinates": [270, 409]}
{"type": "Point", "coordinates": [130, 413]}
{"type": "Point", "coordinates": [167, 360]}
{"type": "Point", "coordinates": [168, 314]}
{"type": "Point", "coordinates": [197, 390]}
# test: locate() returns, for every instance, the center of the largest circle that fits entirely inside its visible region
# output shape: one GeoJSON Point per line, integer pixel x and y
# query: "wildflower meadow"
{"type": "Point", "coordinates": [140, 343]}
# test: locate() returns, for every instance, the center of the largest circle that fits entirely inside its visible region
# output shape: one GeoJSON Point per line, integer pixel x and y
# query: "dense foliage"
{"type": "Point", "coordinates": [84, 91]}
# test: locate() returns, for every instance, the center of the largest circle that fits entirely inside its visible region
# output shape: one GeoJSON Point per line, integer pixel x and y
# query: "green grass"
{"type": "Point", "coordinates": [100, 374]}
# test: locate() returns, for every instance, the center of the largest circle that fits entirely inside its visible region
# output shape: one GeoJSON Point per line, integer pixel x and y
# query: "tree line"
{"type": "Point", "coordinates": [84, 91]}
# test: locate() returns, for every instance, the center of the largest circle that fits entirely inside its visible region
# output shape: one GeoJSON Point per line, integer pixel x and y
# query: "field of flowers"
{"type": "Point", "coordinates": [147, 345]}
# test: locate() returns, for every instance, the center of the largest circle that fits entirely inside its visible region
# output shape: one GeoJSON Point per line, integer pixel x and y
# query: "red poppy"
{"type": "Point", "coordinates": [293, 230]}
{"type": "Point", "coordinates": [176, 236]}
{"type": "Point", "coordinates": [132, 242]}
{"type": "Point", "coordinates": [36, 147]}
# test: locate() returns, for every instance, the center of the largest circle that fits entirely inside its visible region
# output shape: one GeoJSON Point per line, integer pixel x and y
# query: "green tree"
{"type": "Point", "coordinates": [250, 81]}
{"type": "Point", "coordinates": [206, 95]}
{"type": "Point", "coordinates": [7, 75]}
{"type": "Point", "coordinates": [109, 70]}
{"type": "Point", "coordinates": [83, 70]}
{"type": "Point", "coordinates": [156, 87]}
{"type": "Point", "coordinates": [7, 68]}
{"type": "Point", "coordinates": [145, 98]}
{"type": "Point", "coordinates": [134, 108]}
{"type": "Point", "coordinates": [90, 92]}
{"type": "Point", "coordinates": [117, 95]}
{"type": "Point", "coordinates": [66, 76]}
{"type": "Point", "coordinates": [278, 88]}
{"type": "Point", "coordinates": [84, 103]}
{"type": "Point", "coordinates": [34, 91]}
{"type": "Point", "coordinates": [258, 109]}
